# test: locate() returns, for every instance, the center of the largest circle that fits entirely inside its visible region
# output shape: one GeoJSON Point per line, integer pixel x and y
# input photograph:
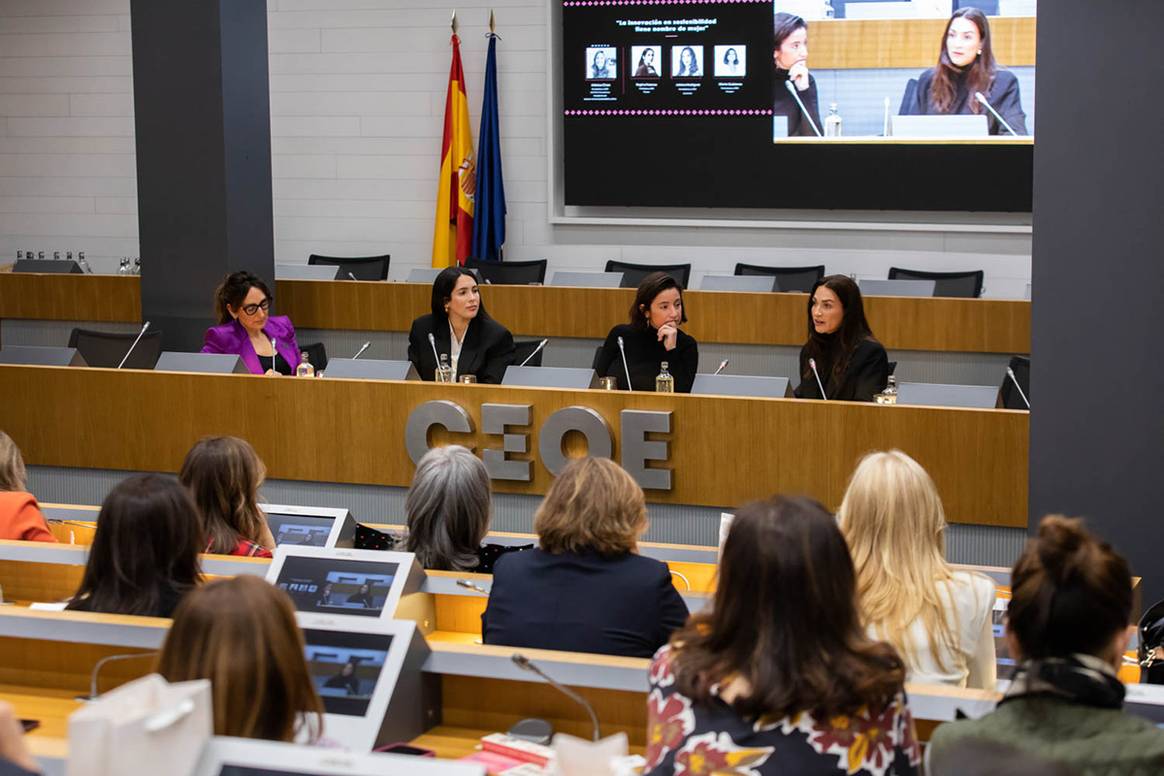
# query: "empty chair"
{"type": "Point", "coordinates": [362, 267]}
{"type": "Point", "coordinates": [511, 273]}
{"type": "Point", "coordinates": [633, 274]}
{"type": "Point", "coordinates": [1009, 395]}
{"type": "Point", "coordinates": [522, 349]}
{"type": "Point", "coordinates": [316, 354]}
{"type": "Point", "coordinates": [106, 348]}
{"type": "Point", "coordinates": [961, 284]}
{"type": "Point", "coordinates": [787, 278]}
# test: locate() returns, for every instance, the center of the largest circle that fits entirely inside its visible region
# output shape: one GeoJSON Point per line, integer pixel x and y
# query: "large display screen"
{"type": "Point", "coordinates": [798, 104]}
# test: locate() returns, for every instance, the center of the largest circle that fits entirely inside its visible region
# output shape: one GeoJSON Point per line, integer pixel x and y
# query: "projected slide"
{"type": "Point", "coordinates": [723, 104]}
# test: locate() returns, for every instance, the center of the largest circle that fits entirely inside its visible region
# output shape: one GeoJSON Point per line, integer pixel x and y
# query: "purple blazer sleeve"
{"type": "Point", "coordinates": [220, 339]}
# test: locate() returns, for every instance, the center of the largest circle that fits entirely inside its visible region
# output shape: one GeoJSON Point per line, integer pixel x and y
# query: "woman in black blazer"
{"type": "Point", "coordinates": [585, 589]}
{"type": "Point", "coordinates": [966, 66]}
{"type": "Point", "coordinates": [851, 363]}
{"type": "Point", "coordinates": [652, 337]}
{"type": "Point", "coordinates": [475, 343]}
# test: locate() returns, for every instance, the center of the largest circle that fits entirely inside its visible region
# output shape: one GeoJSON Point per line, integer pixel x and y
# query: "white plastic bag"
{"type": "Point", "coordinates": [143, 728]}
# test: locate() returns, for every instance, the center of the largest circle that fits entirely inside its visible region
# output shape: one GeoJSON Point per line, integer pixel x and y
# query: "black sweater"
{"type": "Point", "coordinates": [1003, 96]}
{"type": "Point", "coordinates": [783, 104]}
{"type": "Point", "coordinates": [866, 374]}
{"type": "Point", "coordinates": [644, 355]}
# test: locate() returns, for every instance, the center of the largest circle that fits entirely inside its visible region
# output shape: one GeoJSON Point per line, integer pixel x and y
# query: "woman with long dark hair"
{"type": "Point", "coordinates": [850, 363]}
{"type": "Point", "coordinates": [966, 67]}
{"type": "Point", "coordinates": [688, 63]}
{"type": "Point", "coordinates": [144, 556]}
{"type": "Point", "coordinates": [651, 338]}
{"type": "Point", "coordinates": [790, 56]}
{"type": "Point", "coordinates": [778, 676]}
{"type": "Point", "coordinates": [461, 329]}
{"type": "Point", "coordinates": [646, 67]}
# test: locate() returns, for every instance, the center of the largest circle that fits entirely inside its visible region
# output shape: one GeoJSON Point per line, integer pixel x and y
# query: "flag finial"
{"type": "Point", "coordinates": [492, 22]}
{"type": "Point", "coordinates": [453, 21]}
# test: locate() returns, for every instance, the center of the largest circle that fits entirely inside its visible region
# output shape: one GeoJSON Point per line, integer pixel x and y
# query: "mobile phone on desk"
{"type": "Point", "coordinates": [403, 748]}
{"type": "Point", "coordinates": [29, 725]}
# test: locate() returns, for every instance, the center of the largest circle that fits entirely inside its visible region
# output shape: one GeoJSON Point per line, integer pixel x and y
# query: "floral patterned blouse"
{"type": "Point", "coordinates": [687, 738]}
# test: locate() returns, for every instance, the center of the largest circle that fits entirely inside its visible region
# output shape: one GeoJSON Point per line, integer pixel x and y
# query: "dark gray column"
{"type": "Point", "coordinates": [1097, 379]}
{"type": "Point", "coordinates": [202, 110]}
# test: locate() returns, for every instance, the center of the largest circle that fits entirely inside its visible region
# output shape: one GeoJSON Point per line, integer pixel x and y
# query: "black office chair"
{"type": "Point", "coordinates": [597, 355]}
{"type": "Point", "coordinates": [892, 368]}
{"type": "Point", "coordinates": [908, 98]}
{"type": "Point", "coordinates": [510, 273]}
{"type": "Point", "coordinates": [633, 274]}
{"type": "Point", "coordinates": [787, 278]}
{"type": "Point", "coordinates": [363, 267]}
{"type": "Point", "coordinates": [1008, 395]}
{"type": "Point", "coordinates": [522, 350]}
{"type": "Point", "coordinates": [106, 348]}
{"type": "Point", "coordinates": [966, 285]}
{"type": "Point", "coordinates": [316, 354]}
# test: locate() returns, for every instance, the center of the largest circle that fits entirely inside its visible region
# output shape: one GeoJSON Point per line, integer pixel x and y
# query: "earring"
{"type": "Point", "coordinates": [979, 52]}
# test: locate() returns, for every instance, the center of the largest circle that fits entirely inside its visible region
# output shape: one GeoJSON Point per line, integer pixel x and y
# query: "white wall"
{"type": "Point", "coordinates": [357, 101]}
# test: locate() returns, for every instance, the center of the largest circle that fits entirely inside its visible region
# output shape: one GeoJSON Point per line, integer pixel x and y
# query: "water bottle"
{"type": "Point", "coordinates": [889, 395]}
{"type": "Point", "coordinates": [137, 265]}
{"type": "Point", "coordinates": [664, 383]}
{"type": "Point", "coordinates": [40, 255]}
{"type": "Point", "coordinates": [444, 372]}
{"type": "Point", "coordinates": [20, 255]}
{"type": "Point", "coordinates": [84, 264]}
{"type": "Point", "coordinates": [305, 369]}
{"type": "Point", "coordinates": [123, 266]}
{"type": "Point", "coordinates": [829, 11]}
{"type": "Point", "coordinates": [832, 123]}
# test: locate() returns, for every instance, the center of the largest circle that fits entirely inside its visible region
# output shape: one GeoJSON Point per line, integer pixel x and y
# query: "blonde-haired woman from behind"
{"type": "Point", "coordinates": [939, 619]}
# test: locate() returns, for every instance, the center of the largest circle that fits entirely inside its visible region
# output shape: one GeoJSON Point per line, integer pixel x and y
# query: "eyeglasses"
{"type": "Point", "coordinates": [251, 309]}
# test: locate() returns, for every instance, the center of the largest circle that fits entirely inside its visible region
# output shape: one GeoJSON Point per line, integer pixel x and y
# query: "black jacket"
{"type": "Point", "coordinates": [582, 602]}
{"type": "Point", "coordinates": [784, 105]}
{"type": "Point", "coordinates": [1003, 96]}
{"type": "Point", "coordinates": [486, 351]}
{"type": "Point", "coordinates": [867, 374]}
{"type": "Point", "coordinates": [644, 356]}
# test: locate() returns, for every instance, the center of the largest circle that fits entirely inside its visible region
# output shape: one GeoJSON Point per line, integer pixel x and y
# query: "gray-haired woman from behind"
{"type": "Point", "coordinates": [448, 508]}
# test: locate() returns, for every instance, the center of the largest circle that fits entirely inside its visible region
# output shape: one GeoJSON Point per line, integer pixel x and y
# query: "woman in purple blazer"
{"type": "Point", "coordinates": [266, 343]}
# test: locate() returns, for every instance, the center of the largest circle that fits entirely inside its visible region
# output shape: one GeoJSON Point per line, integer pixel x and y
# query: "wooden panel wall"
{"type": "Point", "coordinates": [889, 43]}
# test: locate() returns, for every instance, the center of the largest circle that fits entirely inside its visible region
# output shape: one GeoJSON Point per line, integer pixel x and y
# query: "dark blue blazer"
{"type": "Point", "coordinates": [582, 602]}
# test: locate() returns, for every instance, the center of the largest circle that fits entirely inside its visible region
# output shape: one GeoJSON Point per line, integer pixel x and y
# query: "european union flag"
{"type": "Point", "coordinates": [489, 219]}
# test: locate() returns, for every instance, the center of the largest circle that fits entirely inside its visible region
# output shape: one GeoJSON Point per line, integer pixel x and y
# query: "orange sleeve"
{"type": "Point", "coordinates": [30, 524]}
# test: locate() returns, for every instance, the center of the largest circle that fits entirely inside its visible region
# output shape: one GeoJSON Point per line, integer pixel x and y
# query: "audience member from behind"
{"type": "Point", "coordinates": [585, 589]}
{"type": "Point", "coordinates": [850, 363]}
{"type": "Point", "coordinates": [448, 508]}
{"type": "Point", "coordinates": [939, 620]}
{"type": "Point", "coordinates": [20, 517]}
{"type": "Point", "coordinates": [1068, 624]}
{"type": "Point", "coordinates": [246, 328]}
{"type": "Point", "coordinates": [223, 475]}
{"type": "Point", "coordinates": [779, 677]}
{"type": "Point", "coordinates": [241, 634]}
{"type": "Point", "coordinates": [144, 556]}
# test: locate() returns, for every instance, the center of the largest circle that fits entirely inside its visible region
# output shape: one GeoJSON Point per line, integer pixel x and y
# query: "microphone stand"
{"type": "Point", "coordinates": [819, 384]}
{"type": "Point", "coordinates": [986, 103]}
{"type": "Point", "coordinates": [1013, 379]}
{"type": "Point", "coordinates": [537, 350]}
{"type": "Point", "coordinates": [140, 334]}
{"type": "Point", "coordinates": [792, 89]}
{"type": "Point", "coordinates": [526, 664]}
{"type": "Point", "coordinates": [625, 368]}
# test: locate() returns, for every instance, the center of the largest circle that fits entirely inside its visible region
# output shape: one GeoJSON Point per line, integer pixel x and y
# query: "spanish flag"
{"type": "Point", "coordinates": [453, 235]}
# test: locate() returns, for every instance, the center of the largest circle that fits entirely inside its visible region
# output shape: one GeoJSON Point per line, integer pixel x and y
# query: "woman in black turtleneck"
{"type": "Point", "coordinates": [652, 337]}
{"type": "Point", "coordinates": [790, 56]}
{"type": "Point", "coordinates": [851, 363]}
{"type": "Point", "coordinates": [966, 66]}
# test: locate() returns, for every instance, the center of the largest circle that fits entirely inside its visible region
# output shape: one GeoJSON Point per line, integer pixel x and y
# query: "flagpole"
{"type": "Point", "coordinates": [453, 21]}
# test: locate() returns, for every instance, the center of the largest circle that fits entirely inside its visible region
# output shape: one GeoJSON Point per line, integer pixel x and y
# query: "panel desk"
{"type": "Point", "coordinates": [727, 317]}
{"type": "Point", "coordinates": [721, 451]}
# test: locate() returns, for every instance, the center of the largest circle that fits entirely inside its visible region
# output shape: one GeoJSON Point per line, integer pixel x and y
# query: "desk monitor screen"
{"type": "Point", "coordinates": [345, 668]}
{"type": "Point", "coordinates": [337, 585]}
{"type": "Point", "coordinates": [300, 529]}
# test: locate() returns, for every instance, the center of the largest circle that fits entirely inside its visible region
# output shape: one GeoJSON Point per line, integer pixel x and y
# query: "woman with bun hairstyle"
{"type": "Point", "coordinates": [246, 328]}
{"type": "Point", "coordinates": [1068, 624]}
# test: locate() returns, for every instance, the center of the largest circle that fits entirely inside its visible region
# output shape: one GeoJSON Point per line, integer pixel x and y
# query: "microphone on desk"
{"type": "Point", "coordinates": [885, 120]}
{"type": "Point", "coordinates": [470, 585]}
{"type": "Point", "coordinates": [525, 664]}
{"type": "Point", "coordinates": [363, 347]}
{"type": "Point", "coordinates": [537, 350]}
{"type": "Point", "coordinates": [792, 90]}
{"type": "Point", "coordinates": [819, 384]}
{"type": "Point", "coordinates": [353, 277]}
{"type": "Point", "coordinates": [722, 366]}
{"type": "Point", "coordinates": [986, 104]}
{"type": "Point", "coordinates": [1013, 379]}
{"type": "Point", "coordinates": [274, 354]}
{"type": "Point", "coordinates": [93, 694]}
{"type": "Point", "coordinates": [140, 334]}
{"type": "Point", "coordinates": [625, 368]}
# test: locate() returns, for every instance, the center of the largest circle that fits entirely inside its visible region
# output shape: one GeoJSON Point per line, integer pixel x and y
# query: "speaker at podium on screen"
{"type": "Point", "coordinates": [205, 363]}
{"type": "Point", "coordinates": [36, 355]}
{"type": "Point", "coordinates": [371, 369]}
{"type": "Point", "coordinates": [550, 377]}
